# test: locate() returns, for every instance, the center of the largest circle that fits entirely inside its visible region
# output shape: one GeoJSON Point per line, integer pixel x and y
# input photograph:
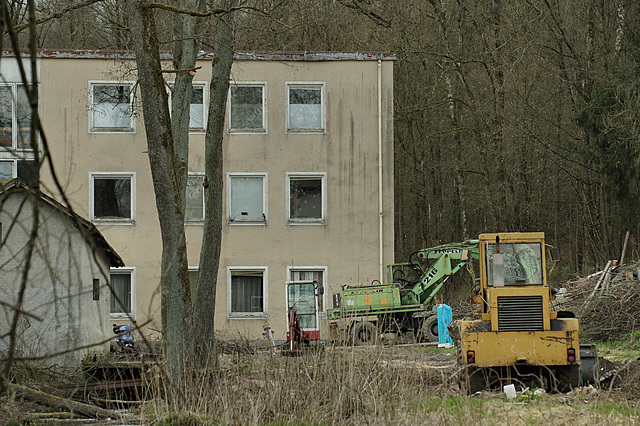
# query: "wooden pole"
{"type": "Point", "coordinates": [58, 403]}
{"type": "Point", "coordinates": [624, 248]}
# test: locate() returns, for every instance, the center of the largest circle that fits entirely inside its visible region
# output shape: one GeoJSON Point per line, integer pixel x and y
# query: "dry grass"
{"type": "Point", "coordinates": [395, 385]}
{"type": "Point", "coordinates": [376, 385]}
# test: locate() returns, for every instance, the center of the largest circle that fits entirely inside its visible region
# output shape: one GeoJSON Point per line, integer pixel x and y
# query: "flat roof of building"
{"type": "Point", "coordinates": [252, 55]}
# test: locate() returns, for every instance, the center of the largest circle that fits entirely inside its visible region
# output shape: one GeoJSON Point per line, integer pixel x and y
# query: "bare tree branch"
{"type": "Point", "coordinates": [55, 15]}
{"type": "Point", "coordinates": [357, 6]}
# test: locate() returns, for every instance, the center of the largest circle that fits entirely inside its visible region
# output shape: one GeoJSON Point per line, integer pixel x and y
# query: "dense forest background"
{"type": "Point", "coordinates": [509, 116]}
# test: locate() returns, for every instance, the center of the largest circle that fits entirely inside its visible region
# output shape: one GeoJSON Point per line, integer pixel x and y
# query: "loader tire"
{"type": "Point", "coordinates": [430, 329]}
{"type": "Point", "coordinates": [568, 377]}
{"type": "Point", "coordinates": [364, 333]}
{"type": "Point", "coordinates": [471, 380]}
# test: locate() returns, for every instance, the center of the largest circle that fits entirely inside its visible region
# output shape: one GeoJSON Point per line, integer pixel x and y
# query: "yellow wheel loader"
{"type": "Point", "coordinates": [518, 337]}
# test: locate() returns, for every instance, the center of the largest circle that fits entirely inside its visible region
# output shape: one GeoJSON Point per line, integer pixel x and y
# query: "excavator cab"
{"type": "Point", "coordinates": [302, 312]}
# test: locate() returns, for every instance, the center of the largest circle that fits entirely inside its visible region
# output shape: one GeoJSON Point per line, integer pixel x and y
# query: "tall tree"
{"type": "Point", "coordinates": [204, 311]}
{"type": "Point", "coordinates": [169, 176]}
{"type": "Point", "coordinates": [168, 142]}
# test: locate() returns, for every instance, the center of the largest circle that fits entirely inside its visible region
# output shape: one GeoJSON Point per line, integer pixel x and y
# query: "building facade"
{"type": "Point", "coordinates": [308, 166]}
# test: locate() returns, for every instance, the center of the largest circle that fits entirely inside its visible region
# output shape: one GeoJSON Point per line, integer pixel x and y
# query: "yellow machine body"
{"type": "Point", "coordinates": [518, 329]}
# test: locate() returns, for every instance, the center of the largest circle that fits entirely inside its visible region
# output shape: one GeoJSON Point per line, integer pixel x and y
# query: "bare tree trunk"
{"type": "Point", "coordinates": [184, 62]}
{"type": "Point", "coordinates": [167, 173]}
{"type": "Point", "coordinates": [454, 116]}
{"type": "Point", "coordinates": [212, 234]}
{"type": "Point", "coordinates": [497, 121]}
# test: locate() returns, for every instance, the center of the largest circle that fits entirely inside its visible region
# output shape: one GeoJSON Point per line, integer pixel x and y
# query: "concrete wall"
{"type": "Point", "coordinates": [61, 314]}
{"type": "Point", "coordinates": [346, 153]}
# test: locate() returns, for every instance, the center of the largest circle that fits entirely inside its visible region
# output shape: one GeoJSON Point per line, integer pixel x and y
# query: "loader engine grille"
{"type": "Point", "coordinates": [520, 313]}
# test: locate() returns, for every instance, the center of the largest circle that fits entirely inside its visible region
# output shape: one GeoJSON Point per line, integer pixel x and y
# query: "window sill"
{"type": "Point", "coordinates": [247, 131]}
{"type": "Point", "coordinates": [113, 222]}
{"type": "Point", "coordinates": [306, 132]}
{"type": "Point", "coordinates": [248, 316]}
{"type": "Point", "coordinates": [194, 222]}
{"type": "Point", "coordinates": [112, 131]}
{"type": "Point", "coordinates": [307, 222]}
{"type": "Point", "coordinates": [247, 222]}
{"type": "Point", "coordinates": [122, 317]}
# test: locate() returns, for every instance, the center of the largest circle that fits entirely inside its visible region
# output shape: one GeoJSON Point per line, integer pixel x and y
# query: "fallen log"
{"type": "Point", "coordinates": [58, 403]}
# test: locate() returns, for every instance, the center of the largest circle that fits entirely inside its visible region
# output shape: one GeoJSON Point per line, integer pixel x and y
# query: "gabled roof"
{"type": "Point", "coordinates": [87, 228]}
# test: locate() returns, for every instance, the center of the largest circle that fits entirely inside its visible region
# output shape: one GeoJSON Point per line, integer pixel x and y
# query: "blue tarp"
{"type": "Point", "coordinates": [444, 319]}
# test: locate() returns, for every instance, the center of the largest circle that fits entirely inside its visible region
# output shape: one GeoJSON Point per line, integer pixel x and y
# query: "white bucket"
{"type": "Point", "coordinates": [509, 391]}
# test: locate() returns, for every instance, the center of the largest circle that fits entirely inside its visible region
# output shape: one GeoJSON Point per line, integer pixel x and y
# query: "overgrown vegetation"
{"type": "Point", "coordinates": [608, 306]}
{"type": "Point", "coordinates": [347, 385]}
{"type": "Point", "coordinates": [381, 385]}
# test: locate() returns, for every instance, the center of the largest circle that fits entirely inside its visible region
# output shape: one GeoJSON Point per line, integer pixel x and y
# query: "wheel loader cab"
{"type": "Point", "coordinates": [515, 263]}
{"type": "Point", "coordinates": [513, 281]}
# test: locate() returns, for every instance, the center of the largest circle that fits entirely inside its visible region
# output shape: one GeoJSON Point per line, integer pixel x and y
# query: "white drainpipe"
{"type": "Point", "coordinates": [380, 228]}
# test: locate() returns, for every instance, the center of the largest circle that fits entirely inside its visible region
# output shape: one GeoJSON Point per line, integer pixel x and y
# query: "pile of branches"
{"type": "Point", "coordinates": [608, 305]}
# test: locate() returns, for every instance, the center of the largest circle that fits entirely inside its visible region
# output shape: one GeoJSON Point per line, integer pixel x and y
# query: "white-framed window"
{"type": "Point", "coordinates": [305, 107]}
{"type": "Point", "coordinates": [306, 198]}
{"type": "Point", "coordinates": [111, 107]}
{"type": "Point", "coordinates": [24, 169]}
{"type": "Point", "coordinates": [197, 110]}
{"type": "Point", "coordinates": [194, 211]}
{"type": "Point", "coordinates": [247, 291]}
{"type": "Point", "coordinates": [15, 117]}
{"type": "Point", "coordinates": [247, 198]}
{"type": "Point", "coordinates": [312, 273]}
{"type": "Point", "coordinates": [112, 197]}
{"type": "Point", "coordinates": [248, 107]}
{"type": "Point", "coordinates": [123, 292]}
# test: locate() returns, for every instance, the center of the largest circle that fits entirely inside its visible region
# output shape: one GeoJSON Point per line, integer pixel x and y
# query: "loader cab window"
{"type": "Point", "coordinates": [522, 263]}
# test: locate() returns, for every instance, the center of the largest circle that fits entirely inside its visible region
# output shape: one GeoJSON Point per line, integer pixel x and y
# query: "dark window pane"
{"type": "Point", "coordinates": [197, 96]}
{"type": "Point", "coordinates": [196, 116]}
{"type": "Point", "coordinates": [112, 198]}
{"type": "Point", "coordinates": [306, 96]}
{"type": "Point", "coordinates": [306, 199]}
{"type": "Point", "coordinates": [27, 172]}
{"type": "Point", "coordinates": [246, 107]}
{"type": "Point", "coordinates": [111, 94]}
{"type": "Point", "coordinates": [23, 111]}
{"type": "Point", "coordinates": [96, 289]}
{"type": "Point", "coordinates": [6, 110]}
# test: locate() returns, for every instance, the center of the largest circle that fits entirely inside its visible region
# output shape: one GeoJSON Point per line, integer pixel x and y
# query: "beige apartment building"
{"type": "Point", "coordinates": [308, 164]}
